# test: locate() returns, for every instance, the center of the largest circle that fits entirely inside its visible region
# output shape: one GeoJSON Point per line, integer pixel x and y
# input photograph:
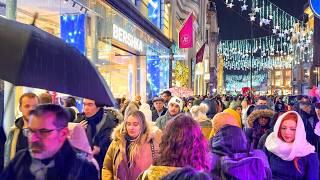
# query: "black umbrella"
{"type": "Point", "coordinates": [34, 58]}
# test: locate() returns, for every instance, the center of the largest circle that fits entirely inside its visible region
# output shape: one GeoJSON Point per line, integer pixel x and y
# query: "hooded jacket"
{"type": "Point", "coordinates": [115, 165]}
{"type": "Point", "coordinates": [255, 131]}
{"type": "Point", "coordinates": [229, 141]}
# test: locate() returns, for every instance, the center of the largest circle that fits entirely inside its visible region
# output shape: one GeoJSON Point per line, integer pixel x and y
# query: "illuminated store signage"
{"type": "Point", "coordinates": [127, 38]}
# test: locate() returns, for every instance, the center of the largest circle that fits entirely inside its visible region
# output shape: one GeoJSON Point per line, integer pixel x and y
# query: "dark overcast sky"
{"type": "Point", "coordinates": [234, 26]}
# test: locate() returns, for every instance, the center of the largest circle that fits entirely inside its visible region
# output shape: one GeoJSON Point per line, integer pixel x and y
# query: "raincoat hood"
{"type": "Point", "coordinates": [235, 114]}
{"type": "Point", "coordinates": [222, 119]}
{"type": "Point", "coordinates": [288, 151]}
{"type": "Point", "coordinates": [229, 140]}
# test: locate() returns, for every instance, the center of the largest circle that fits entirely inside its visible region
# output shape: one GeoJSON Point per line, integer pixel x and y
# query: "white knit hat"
{"type": "Point", "coordinates": [145, 109]}
{"type": "Point", "coordinates": [176, 100]}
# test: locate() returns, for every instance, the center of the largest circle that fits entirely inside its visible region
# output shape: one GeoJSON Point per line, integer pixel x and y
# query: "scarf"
{"type": "Point", "coordinates": [92, 123]}
{"type": "Point", "coordinates": [39, 169]}
{"type": "Point", "coordinates": [288, 151]}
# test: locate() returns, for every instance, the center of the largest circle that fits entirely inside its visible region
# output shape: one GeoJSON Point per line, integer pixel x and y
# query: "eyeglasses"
{"type": "Point", "coordinates": [39, 132]}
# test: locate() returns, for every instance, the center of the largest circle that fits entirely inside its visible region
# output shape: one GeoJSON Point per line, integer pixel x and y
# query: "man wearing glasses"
{"type": "Point", "coordinates": [50, 155]}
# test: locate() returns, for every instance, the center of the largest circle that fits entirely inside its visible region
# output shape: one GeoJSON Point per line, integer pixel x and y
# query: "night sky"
{"type": "Point", "coordinates": [234, 26]}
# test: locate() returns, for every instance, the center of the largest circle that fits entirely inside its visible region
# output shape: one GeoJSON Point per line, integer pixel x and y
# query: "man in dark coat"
{"type": "Point", "coordinates": [99, 123]}
{"type": "Point", "coordinates": [159, 109]}
{"type": "Point", "coordinates": [50, 155]}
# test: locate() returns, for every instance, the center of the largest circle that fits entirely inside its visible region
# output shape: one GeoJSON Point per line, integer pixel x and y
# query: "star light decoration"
{"type": "Point", "coordinates": [267, 53]}
{"type": "Point", "coordinates": [244, 7]}
{"type": "Point", "coordinates": [268, 14]}
{"type": "Point", "coordinates": [267, 22]}
{"type": "Point", "coordinates": [252, 16]}
{"type": "Point", "coordinates": [274, 31]}
{"type": "Point", "coordinates": [230, 5]}
{"type": "Point", "coordinates": [256, 9]}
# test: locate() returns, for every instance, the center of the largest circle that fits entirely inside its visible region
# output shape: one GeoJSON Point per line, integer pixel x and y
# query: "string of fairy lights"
{"type": "Point", "coordinates": [290, 43]}
{"type": "Point", "coordinates": [266, 14]}
{"type": "Point", "coordinates": [265, 53]}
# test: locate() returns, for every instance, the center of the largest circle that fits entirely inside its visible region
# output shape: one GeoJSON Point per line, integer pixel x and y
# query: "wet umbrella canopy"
{"type": "Point", "coordinates": [34, 58]}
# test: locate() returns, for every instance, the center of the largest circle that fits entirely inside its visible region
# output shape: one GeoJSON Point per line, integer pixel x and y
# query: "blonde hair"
{"type": "Point", "coordinates": [199, 112]}
{"type": "Point", "coordinates": [134, 146]}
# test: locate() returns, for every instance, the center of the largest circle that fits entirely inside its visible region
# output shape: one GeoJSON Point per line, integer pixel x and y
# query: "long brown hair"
{"type": "Point", "coordinates": [183, 144]}
{"type": "Point", "coordinates": [134, 146]}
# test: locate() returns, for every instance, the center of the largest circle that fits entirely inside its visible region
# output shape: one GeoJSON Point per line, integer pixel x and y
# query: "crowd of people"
{"type": "Point", "coordinates": [168, 137]}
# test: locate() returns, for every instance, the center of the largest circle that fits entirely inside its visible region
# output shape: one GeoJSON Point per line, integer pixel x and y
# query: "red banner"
{"type": "Point", "coordinates": [186, 33]}
{"type": "Point", "coordinates": [200, 53]}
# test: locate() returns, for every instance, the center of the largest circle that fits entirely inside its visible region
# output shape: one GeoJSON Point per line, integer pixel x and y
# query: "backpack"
{"type": "Point", "coordinates": [245, 166]}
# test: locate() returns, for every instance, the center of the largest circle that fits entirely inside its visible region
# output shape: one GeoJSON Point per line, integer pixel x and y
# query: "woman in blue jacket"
{"type": "Point", "coordinates": [290, 155]}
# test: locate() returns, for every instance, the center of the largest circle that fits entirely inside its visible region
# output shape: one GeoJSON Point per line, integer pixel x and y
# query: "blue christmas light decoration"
{"type": "Point", "coordinates": [153, 75]}
{"type": "Point", "coordinates": [154, 8]}
{"type": "Point", "coordinates": [72, 30]}
{"type": "Point", "coordinates": [157, 74]}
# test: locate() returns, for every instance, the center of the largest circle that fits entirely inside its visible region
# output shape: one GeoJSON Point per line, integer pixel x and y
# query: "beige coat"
{"type": "Point", "coordinates": [115, 165]}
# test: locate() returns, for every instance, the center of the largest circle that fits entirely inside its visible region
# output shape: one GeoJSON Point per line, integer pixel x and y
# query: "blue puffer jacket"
{"type": "Point", "coordinates": [231, 141]}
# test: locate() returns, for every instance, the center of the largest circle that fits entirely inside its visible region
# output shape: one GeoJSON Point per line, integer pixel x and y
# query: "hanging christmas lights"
{"type": "Point", "coordinates": [264, 52]}
{"type": "Point", "coordinates": [265, 13]}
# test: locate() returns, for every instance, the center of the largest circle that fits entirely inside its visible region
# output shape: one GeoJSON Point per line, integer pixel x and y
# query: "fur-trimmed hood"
{"type": "Point", "coordinates": [259, 113]}
{"type": "Point", "coordinates": [152, 133]}
{"type": "Point", "coordinates": [116, 113]}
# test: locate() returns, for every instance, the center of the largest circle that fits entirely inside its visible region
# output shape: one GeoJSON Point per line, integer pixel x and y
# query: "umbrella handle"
{"type": "Point", "coordinates": [35, 17]}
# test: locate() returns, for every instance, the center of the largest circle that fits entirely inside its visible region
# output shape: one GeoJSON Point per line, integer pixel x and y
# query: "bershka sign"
{"type": "Point", "coordinates": [127, 38]}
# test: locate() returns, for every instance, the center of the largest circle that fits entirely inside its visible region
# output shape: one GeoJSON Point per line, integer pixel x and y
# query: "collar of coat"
{"type": "Point", "coordinates": [152, 133]}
